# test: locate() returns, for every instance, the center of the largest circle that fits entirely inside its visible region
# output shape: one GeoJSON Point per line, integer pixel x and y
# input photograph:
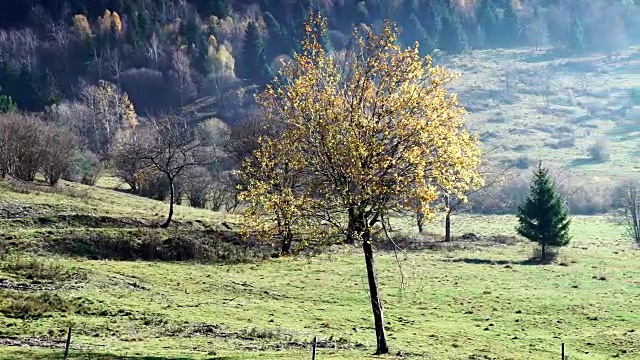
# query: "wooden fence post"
{"type": "Point", "coordinates": [563, 351]}
{"type": "Point", "coordinates": [313, 349]}
{"type": "Point", "coordinates": [66, 348]}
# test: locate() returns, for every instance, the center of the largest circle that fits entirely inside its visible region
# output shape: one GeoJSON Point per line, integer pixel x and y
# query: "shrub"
{"type": "Point", "coordinates": [498, 119]}
{"type": "Point", "coordinates": [565, 143]}
{"type": "Point", "coordinates": [154, 186]}
{"type": "Point", "coordinates": [600, 151]}
{"type": "Point", "coordinates": [35, 268]}
{"type": "Point", "coordinates": [84, 167]}
{"type": "Point", "coordinates": [634, 95]}
{"type": "Point", "coordinates": [21, 145]}
{"type": "Point", "coordinates": [59, 146]}
{"type": "Point", "coordinates": [34, 306]}
{"type": "Point", "coordinates": [523, 162]}
{"type": "Point", "coordinates": [196, 183]}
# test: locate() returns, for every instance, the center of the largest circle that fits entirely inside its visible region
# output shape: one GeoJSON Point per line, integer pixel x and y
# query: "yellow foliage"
{"type": "Point", "coordinates": [374, 133]}
{"type": "Point", "coordinates": [81, 26]}
{"type": "Point", "coordinates": [221, 59]}
{"type": "Point", "coordinates": [116, 22]}
{"type": "Point", "coordinates": [105, 21]}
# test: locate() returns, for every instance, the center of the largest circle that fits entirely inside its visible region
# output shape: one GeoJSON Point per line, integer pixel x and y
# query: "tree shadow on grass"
{"type": "Point", "coordinates": [582, 162]}
{"type": "Point", "coordinates": [531, 261]}
{"type": "Point", "coordinates": [77, 355]}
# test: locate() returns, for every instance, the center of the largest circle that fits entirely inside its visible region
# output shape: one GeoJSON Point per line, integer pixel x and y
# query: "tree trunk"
{"type": "Point", "coordinates": [447, 226]}
{"type": "Point", "coordinates": [351, 227]}
{"type": "Point", "coordinates": [376, 305]}
{"type": "Point", "coordinates": [420, 222]}
{"type": "Point", "coordinates": [172, 192]}
{"type": "Point", "coordinates": [544, 252]}
{"type": "Point", "coordinates": [287, 239]}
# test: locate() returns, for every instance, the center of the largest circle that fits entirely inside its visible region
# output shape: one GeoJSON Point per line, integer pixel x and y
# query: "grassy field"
{"type": "Point", "coordinates": [587, 100]}
{"type": "Point", "coordinates": [469, 300]}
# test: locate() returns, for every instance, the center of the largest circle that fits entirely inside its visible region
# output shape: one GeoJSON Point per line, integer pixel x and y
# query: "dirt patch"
{"type": "Point", "coordinates": [32, 341]}
{"type": "Point", "coordinates": [266, 339]}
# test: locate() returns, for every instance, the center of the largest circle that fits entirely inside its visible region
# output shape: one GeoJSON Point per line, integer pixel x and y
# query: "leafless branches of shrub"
{"type": "Point", "coordinates": [626, 199]}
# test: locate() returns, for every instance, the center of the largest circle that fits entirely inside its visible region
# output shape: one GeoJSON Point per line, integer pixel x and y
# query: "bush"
{"type": "Point", "coordinates": [523, 162]}
{"type": "Point", "coordinates": [564, 143]}
{"type": "Point", "coordinates": [84, 167]}
{"type": "Point", "coordinates": [35, 268]}
{"type": "Point", "coordinates": [34, 306]}
{"type": "Point", "coordinates": [21, 145]}
{"type": "Point", "coordinates": [197, 184]}
{"type": "Point", "coordinates": [600, 151]}
{"type": "Point", "coordinates": [59, 146]}
{"type": "Point", "coordinates": [634, 95]}
{"type": "Point", "coordinates": [154, 186]}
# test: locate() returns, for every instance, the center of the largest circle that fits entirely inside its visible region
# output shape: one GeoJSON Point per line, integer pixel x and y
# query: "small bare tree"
{"type": "Point", "coordinates": [627, 199]}
{"type": "Point", "coordinates": [58, 145]}
{"type": "Point", "coordinates": [176, 147]}
{"type": "Point", "coordinates": [544, 86]}
{"type": "Point", "coordinates": [510, 77]}
{"type": "Point", "coordinates": [181, 72]}
{"type": "Point", "coordinates": [492, 178]}
{"type": "Point", "coordinates": [128, 157]}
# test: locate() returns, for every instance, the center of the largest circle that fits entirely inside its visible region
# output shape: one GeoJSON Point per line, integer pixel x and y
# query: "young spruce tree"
{"type": "Point", "coordinates": [543, 218]}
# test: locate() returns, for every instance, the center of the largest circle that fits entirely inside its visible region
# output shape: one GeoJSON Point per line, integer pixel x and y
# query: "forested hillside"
{"type": "Point", "coordinates": [166, 54]}
{"type": "Point", "coordinates": [88, 85]}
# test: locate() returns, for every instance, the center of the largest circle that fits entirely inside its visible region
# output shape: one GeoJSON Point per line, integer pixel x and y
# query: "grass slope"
{"type": "Point", "coordinates": [588, 99]}
{"type": "Point", "coordinates": [471, 300]}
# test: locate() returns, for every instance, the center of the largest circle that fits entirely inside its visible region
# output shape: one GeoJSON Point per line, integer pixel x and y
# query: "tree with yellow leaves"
{"type": "Point", "coordinates": [81, 26]}
{"type": "Point", "coordinates": [375, 133]}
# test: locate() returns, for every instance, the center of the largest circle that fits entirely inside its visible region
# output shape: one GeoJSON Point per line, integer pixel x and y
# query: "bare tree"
{"type": "Point", "coordinates": [510, 76]}
{"type": "Point", "coordinates": [58, 144]}
{"type": "Point", "coordinates": [97, 63]}
{"type": "Point", "coordinates": [538, 33]}
{"type": "Point", "coordinates": [21, 145]}
{"type": "Point", "coordinates": [176, 147]}
{"type": "Point", "coordinates": [154, 51]}
{"type": "Point", "coordinates": [110, 110]}
{"type": "Point", "coordinates": [61, 38]}
{"type": "Point", "coordinates": [627, 198]}
{"type": "Point", "coordinates": [544, 86]}
{"type": "Point", "coordinates": [181, 71]}
{"type": "Point", "coordinates": [114, 65]}
{"type": "Point", "coordinates": [128, 157]}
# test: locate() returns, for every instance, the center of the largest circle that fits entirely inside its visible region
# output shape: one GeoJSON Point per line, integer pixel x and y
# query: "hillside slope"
{"type": "Point", "coordinates": [548, 106]}
{"type": "Point", "coordinates": [467, 300]}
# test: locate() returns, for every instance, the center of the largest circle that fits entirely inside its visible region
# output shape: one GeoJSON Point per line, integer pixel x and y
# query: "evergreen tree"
{"type": "Point", "coordinates": [413, 31]}
{"type": "Point", "coordinates": [6, 104]}
{"type": "Point", "coordinates": [431, 21]}
{"type": "Point", "coordinates": [254, 55]}
{"type": "Point", "coordinates": [511, 34]}
{"type": "Point", "coordinates": [277, 42]}
{"type": "Point", "coordinates": [486, 16]}
{"type": "Point", "coordinates": [452, 37]}
{"type": "Point", "coordinates": [577, 41]}
{"type": "Point", "coordinates": [543, 218]}
{"type": "Point", "coordinates": [219, 8]}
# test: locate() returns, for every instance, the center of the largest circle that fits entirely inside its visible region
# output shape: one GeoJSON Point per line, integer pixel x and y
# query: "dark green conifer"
{"type": "Point", "coordinates": [544, 218]}
{"type": "Point", "coordinates": [254, 55]}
